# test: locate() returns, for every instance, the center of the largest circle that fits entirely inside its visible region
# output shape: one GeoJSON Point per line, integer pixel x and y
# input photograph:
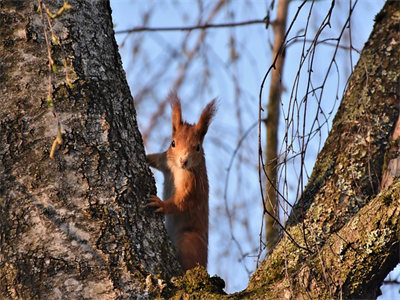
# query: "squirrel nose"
{"type": "Point", "coordinates": [183, 161]}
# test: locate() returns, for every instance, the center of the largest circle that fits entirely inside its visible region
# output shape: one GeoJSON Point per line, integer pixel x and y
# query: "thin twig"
{"type": "Point", "coordinates": [194, 27]}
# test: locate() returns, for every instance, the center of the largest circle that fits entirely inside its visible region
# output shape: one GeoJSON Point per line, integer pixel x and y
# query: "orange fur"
{"type": "Point", "coordinates": [185, 186]}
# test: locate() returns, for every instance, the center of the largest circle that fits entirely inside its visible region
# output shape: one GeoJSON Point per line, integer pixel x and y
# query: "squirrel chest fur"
{"type": "Point", "coordinates": [185, 186]}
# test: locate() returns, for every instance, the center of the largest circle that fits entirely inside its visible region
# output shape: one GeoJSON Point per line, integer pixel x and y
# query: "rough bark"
{"type": "Point", "coordinates": [77, 224]}
{"type": "Point", "coordinates": [351, 231]}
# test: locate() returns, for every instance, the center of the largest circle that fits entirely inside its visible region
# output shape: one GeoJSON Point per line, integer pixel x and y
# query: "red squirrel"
{"type": "Point", "coordinates": [185, 186]}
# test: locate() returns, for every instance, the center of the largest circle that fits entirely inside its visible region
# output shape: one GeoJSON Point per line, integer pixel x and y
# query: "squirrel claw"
{"type": "Point", "coordinates": [157, 203]}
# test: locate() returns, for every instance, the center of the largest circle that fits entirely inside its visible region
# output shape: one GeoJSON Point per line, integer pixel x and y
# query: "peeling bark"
{"type": "Point", "coordinates": [77, 224]}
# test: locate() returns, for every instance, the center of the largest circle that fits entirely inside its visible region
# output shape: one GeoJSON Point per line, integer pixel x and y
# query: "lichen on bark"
{"type": "Point", "coordinates": [77, 224]}
{"type": "Point", "coordinates": [344, 186]}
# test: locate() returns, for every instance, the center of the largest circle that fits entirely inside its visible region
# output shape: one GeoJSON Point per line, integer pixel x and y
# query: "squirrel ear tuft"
{"type": "Point", "coordinates": [176, 110]}
{"type": "Point", "coordinates": [206, 117]}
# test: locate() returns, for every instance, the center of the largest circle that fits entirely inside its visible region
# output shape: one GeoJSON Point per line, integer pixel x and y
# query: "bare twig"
{"type": "Point", "coordinates": [195, 27]}
{"type": "Point", "coordinates": [181, 75]}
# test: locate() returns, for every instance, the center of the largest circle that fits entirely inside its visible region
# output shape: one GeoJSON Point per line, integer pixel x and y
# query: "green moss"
{"type": "Point", "coordinates": [255, 293]}
{"type": "Point", "coordinates": [197, 284]}
{"type": "Point", "coordinates": [273, 272]}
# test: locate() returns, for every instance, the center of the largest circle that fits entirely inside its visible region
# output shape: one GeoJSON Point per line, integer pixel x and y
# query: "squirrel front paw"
{"type": "Point", "coordinates": [157, 203]}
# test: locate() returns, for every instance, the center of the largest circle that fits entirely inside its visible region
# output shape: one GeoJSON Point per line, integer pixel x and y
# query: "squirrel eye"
{"type": "Point", "coordinates": [198, 148]}
{"type": "Point", "coordinates": [173, 144]}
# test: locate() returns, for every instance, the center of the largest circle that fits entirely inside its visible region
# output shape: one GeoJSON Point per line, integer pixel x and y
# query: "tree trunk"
{"type": "Point", "coordinates": [351, 238]}
{"type": "Point", "coordinates": [272, 123]}
{"type": "Point", "coordinates": [77, 225]}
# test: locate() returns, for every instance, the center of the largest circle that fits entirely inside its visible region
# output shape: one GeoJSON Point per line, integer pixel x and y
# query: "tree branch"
{"type": "Point", "coordinates": [352, 230]}
{"type": "Point", "coordinates": [352, 263]}
{"type": "Point", "coordinates": [195, 27]}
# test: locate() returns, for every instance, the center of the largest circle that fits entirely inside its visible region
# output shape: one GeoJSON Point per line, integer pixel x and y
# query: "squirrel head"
{"type": "Point", "coordinates": [186, 149]}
